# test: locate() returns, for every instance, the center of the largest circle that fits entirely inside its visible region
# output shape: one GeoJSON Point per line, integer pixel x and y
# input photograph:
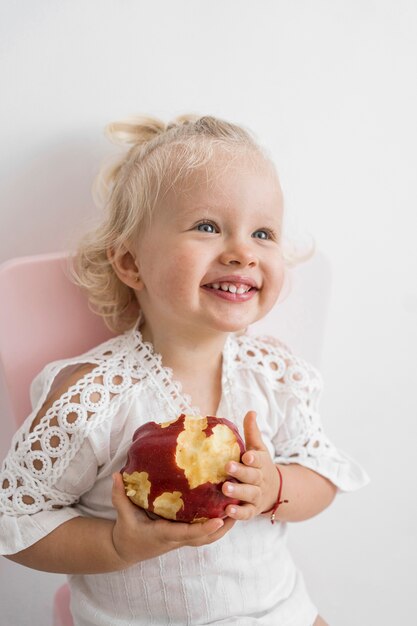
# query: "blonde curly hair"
{"type": "Point", "coordinates": [158, 156]}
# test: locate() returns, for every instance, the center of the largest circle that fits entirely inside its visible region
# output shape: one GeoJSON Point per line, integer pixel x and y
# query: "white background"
{"type": "Point", "coordinates": [329, 86]}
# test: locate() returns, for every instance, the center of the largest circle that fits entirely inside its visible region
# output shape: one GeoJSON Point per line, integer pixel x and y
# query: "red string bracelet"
{"type": "Point", "coordinates": [278, 501]}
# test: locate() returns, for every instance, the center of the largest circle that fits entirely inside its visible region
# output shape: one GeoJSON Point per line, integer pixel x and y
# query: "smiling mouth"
{"type": "Point", "coordinates": [238, 288]}
{"type": "Point", "coordinates": [232, 292]}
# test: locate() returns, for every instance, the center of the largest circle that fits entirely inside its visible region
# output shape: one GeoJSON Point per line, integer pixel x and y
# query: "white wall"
{"type": "Point", "coordinates": [330, 87]}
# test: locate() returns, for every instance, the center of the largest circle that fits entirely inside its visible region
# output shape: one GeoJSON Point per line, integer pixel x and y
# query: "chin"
{"type": "Point", "coordinates": [230, 325]}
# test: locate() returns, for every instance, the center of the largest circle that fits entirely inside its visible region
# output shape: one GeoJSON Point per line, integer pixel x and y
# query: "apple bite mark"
{"type": "Point", "coordinates": [166, 424]}
{"type": "Point", "coordinates": [137, 487]}
{"type": "Point", "coordinates": [168, 504]}
{"type": "Point", "coordinates": [203, 458]}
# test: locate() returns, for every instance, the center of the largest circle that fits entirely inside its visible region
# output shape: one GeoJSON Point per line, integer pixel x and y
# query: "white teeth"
{"type": "Point", "coordinates": [230, 287]}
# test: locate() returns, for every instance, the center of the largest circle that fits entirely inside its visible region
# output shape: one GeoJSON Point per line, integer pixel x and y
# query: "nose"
{"type": "Point", "coordinates": [239, 254]}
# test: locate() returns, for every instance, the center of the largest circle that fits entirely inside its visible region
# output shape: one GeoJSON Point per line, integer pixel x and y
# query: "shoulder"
{"type": "Point", "coordinates": [108, 368]}
{"type": "Point", "coordinates": [270, 358]}
{"type": "Point", "coordinates": [80, 393]}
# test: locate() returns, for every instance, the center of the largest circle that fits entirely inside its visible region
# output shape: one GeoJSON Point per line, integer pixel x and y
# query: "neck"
{"type": "Point", "coordinates": [185, 352]}
{"type": "Point", "coordinates": [195, 359]}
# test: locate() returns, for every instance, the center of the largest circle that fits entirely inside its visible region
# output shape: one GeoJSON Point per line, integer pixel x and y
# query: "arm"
{"type": "Point", "coordinates": [307, 492]}
{"type": "Point", "coordinates": [94, 546]}
{"type": "Point", "coordinates": [91, 545]}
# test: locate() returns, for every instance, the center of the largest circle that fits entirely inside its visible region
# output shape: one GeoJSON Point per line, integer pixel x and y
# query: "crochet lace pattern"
{"type": "Point", "coordinates": [42, 449]}
{"type": "Point", "coordinates": [302, 434]}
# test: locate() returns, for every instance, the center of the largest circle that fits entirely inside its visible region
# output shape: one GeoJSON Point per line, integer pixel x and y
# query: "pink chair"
{"type": "Point", "coordinates": [43, 317]}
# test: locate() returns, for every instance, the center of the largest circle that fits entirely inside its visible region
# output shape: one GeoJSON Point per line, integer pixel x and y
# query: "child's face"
{"type": "Point", "coordinates": [211, 259]}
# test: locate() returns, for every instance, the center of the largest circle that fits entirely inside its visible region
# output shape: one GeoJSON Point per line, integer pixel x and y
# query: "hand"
{"type": "Point", "coordinates": [136, 537]}
{"type": "Point", "coordinates": [258, 478]}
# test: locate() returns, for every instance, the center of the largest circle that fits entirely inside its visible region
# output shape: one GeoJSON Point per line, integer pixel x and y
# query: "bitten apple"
{"type": "Point", "coordinates": [176, 469]}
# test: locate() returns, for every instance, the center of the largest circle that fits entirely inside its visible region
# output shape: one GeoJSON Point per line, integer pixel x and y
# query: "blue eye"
{"type": "Point", "coordinates": [206, 227]}
{"type": "Point", "coordinates": [261, 234]}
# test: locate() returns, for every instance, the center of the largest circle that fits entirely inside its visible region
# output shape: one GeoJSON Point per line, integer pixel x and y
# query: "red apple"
{"type": "Point", "coordinates": [176, 469]}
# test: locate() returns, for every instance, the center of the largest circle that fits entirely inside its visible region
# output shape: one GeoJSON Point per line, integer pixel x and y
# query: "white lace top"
{"type": "Point", "coordinates": [62, 469]}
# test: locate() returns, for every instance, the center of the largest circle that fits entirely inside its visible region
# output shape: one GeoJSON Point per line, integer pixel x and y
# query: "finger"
{"type": "Point", "coordinates": [211, 526]}
{"type": "Point", "coordinates": [240, 512]}
{"type": "Point", "coordinates": [244, 493]}
{"type": "Point", "coordinates": [253, 437]}
{"type": "Point", "coordinates": [228, 524]}
{"type": "Point", "coordinates": [245, 474]}
{"type": "Point", "coordinates": [183, 533]}
{"type": "Point", "coordinates": [253, 458]}
{"type": "Point", "coordinates": [120, 501]}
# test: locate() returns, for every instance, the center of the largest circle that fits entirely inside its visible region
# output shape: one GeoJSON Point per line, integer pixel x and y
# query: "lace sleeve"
{"type": "Point", "coordinates": [300, 438]}
{"type": "Point", "coordinates": [42, 449]}
{"type": "Point", "coordinates": [45, 447]}
{"type": "Point", "coordinates": [301, 434]}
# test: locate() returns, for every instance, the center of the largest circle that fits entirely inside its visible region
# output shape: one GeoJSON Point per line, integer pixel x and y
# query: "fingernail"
{"type": "Point", "coordinates": [232, 510]}
{"type": "Point", "coordinates": [249, 459]}
{"type": "Point", "coordinates": [217, 528]}
{"type": "Point", "coordinates": [232, 468]}
{"type": "Point", "coordinates": [230, 488]}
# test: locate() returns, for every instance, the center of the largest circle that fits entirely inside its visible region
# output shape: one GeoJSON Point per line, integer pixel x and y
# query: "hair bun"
{"type": "Point", "coordinates": [138, 130]}
{"type": "Point", "coordinates": [134, 130]}
{"type": "Point", "coordinates": [180, 120]}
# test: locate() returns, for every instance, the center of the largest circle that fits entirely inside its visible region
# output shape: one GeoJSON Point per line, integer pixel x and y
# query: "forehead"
{"type": "Point", "coordinates": [226, 182]}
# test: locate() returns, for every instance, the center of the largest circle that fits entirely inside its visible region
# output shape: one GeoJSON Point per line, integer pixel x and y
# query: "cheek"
{"type": "Point", "coordinates": [175, 273]}
{"type": "Point", "coordinates": [276, 281]}
{"type": "Point", "coordinates": [280, 278]}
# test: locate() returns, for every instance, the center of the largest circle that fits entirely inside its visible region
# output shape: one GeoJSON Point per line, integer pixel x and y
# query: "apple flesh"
{"type": "Point", "coordinates": [176, 469]}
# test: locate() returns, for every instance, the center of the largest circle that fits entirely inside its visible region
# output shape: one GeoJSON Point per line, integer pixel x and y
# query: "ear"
{"type": "Point", "coordinates": [124, 265]}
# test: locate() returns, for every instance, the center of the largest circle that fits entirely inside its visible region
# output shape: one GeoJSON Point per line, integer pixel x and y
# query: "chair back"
{"type": "Point", "coordinates": [44, 317]}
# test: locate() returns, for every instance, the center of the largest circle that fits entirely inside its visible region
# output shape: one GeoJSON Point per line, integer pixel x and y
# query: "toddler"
{"type": "Point", "coordinates": [188, 255]}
